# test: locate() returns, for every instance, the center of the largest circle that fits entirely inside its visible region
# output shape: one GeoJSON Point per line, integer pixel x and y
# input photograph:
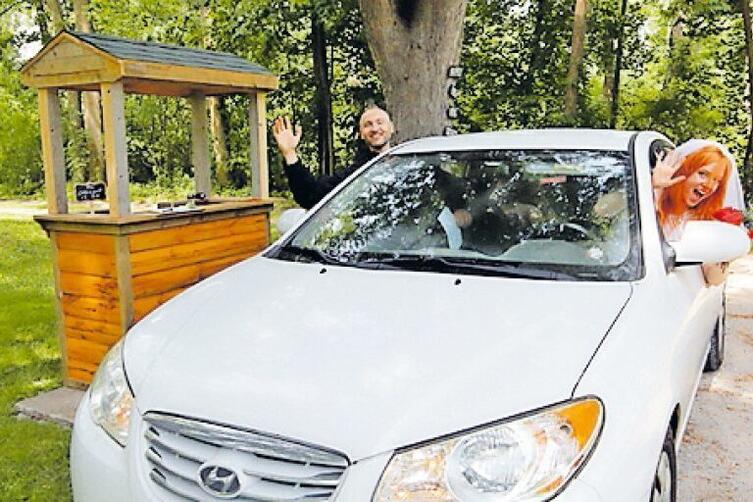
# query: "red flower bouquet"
{"type": "Point", "coordinates": [729, 215]}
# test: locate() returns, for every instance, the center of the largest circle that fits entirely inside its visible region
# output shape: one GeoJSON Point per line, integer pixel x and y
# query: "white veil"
{"type": "Point", "coordinates": [734, 197]}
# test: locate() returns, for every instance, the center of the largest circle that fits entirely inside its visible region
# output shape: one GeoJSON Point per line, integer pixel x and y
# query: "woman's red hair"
{"type": "Point", "coordinates": [672, 205]}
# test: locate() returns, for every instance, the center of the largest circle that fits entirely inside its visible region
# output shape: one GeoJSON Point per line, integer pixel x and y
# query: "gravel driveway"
{"type": "Point", "coordinates": [716, 458]}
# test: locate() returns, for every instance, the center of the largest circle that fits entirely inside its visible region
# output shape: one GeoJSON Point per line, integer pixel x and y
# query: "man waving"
{"type": "Point", "coordinates": [374, 127]}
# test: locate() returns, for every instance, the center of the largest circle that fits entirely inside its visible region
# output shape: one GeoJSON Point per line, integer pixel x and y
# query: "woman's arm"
{"type": "Point", "coordinates": [715, 273]}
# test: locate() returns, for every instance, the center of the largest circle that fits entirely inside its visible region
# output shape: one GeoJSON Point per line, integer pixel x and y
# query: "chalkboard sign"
{"type": "Point", "coordinates": [90, 191]}
{"type": "Point", "coordinates": [198, 196]}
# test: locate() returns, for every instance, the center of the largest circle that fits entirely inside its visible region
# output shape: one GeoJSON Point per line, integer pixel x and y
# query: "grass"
{"type": "Point", "coordinates": [33, 455]}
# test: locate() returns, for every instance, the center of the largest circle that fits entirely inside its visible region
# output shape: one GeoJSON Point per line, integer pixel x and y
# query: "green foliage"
{"type": "Point", "coordinates": [159, 139]}
{"type": "Point", "coordinates": [20, 160]}
{"type": "Point", "coordinates": [515, 61]}
{"type": "Point", "coordinates": [695, 85]}
{"type": "Point", "coordinates": [33, 456]}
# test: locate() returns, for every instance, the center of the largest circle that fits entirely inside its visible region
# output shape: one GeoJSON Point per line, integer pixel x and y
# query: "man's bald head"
{"type": "Point", "coordinates": [375, 128]}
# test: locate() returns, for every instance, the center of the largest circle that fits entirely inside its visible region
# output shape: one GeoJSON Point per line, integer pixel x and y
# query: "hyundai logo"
{"type": "Point", "coordinates": [219, 481]}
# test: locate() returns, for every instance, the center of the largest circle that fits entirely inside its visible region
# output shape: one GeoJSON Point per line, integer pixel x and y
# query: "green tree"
{"type": "Point", "coordinates": [20, 162]}
{"type": "Point", "coordinates": [515, 59]}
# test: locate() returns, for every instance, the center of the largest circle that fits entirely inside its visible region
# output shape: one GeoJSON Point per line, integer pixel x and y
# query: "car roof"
{"type": "Point", "coordinates": [532, 139]}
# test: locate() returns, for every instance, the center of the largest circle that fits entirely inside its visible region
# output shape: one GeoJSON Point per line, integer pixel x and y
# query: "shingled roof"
{"type": "Point", "coordinates": [84, 61]}
{"type": "Point", "coordinates": [155, 52]}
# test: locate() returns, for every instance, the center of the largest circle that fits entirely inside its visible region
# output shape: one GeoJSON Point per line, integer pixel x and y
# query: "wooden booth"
{"type": "Point", "coordinates": [112, 269]}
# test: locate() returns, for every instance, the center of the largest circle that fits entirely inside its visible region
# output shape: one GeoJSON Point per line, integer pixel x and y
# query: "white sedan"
{"type": "Point", "coordinates": [488, 317]}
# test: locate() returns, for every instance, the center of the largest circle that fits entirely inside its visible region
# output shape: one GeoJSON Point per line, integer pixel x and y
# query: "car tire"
{"type": "Point", "coordinates": [664, 488]}
{"type": "Point", "coordinates": [715, 357]}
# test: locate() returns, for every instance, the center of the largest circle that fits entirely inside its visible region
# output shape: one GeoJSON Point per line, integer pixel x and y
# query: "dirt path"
{"type": "Point", "coordinates": [21, 208]}
{"type": "Point", "coordinates": [716, 458]}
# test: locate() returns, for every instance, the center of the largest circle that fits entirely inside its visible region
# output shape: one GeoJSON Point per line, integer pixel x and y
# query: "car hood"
{"type": "Point", "coordinates": [365, 361]}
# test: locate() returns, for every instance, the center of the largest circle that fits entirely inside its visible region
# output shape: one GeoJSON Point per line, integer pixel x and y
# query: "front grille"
{"type": "Point", "coordinates": [268, 468]}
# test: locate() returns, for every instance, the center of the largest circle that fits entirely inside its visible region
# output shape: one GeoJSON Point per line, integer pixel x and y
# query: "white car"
{"type": "Point", "coordinates": [545, 344]}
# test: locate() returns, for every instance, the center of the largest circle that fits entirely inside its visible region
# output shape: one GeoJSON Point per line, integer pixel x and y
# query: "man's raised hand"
{"type": "Point", "coordinates": [287, 140]}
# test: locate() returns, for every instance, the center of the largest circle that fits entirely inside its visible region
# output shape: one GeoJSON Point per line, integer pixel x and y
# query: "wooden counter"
{"type": "Point", "coordinates": [112, 271]}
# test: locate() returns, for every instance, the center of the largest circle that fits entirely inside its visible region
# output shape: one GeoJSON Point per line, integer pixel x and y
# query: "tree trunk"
{"type": "Point", "coordinates": [81, 19]}
{"type": "Point", "coordinates": [618, 67]}
{"type": "Point", "coordinates": [535, 61]}
{"type": "Point", "coordinates": [676, 34]}
{"type": "Point", "coordinates": [745, 9]}
{"type": "Point", "coordinates": [216, 122]}
{"type": "Point", "coordinates": [325, 143]}
{"type": "Point", "coordinates": [90, 105]}
{"type": "Point", "coordinates": [56, 15]}
{"type": "Point", "coordinates": [608, 87]}
{"type": "Point", "coordinates": [576, 57]}
{"type": "Point", "coordinates": [219, 141]}
{"type": "Point", "coordinates": [413, 43]}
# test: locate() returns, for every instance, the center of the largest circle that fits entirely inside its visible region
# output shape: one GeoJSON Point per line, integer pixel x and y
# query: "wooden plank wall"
{"type": "Point", "coordinates": [68, 57]}
{"type": "Point", "coordinates": [89, 300]}
{"type": "Point", "coordinates": [163, 263]}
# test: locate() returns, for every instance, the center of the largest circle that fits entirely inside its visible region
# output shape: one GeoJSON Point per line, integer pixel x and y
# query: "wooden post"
{"type": "Point", "coordinates": [125, 282]}
{"type": "Point", "coordinates": [59, 308]}
{"type": "Point", "coordinates": [116, 153]}
{"type": "Point", "coordinates": [200, 143]}
{"type": "Point", "coordinates": [257, 124]}
{"type": "Point", "coordinates": [52, 150]}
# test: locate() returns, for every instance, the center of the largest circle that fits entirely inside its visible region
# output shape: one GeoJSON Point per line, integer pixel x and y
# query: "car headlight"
{"type": "Point", "coordinates": [525, 459]}
{"type": "Point", "coordinates": [110, 397]}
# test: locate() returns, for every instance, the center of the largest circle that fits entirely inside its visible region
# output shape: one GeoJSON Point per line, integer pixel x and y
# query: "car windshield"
{"type": "Point", "coordinates": [541, 214]}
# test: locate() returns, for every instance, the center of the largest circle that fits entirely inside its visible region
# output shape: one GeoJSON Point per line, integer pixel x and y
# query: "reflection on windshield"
{"type": "Point", "coordinates": [561, 211]}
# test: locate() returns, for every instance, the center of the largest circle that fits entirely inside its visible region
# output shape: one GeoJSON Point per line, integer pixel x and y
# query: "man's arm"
{"type": "Point", "coordinates": [307, 189]}
{"type": "Point", "coordinates": [453, 191]}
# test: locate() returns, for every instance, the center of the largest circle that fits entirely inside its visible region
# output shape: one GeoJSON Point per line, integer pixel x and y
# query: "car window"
{"type": "Point", "coordinates": [567, 212]}
{"type": "Point", "coordinates": [668, 253]}
{"type": "Point", "coordinates": [657, 147]}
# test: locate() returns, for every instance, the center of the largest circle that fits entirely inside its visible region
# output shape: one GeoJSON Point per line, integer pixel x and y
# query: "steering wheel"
{"type": "Point", "coordinates": [557, 230]}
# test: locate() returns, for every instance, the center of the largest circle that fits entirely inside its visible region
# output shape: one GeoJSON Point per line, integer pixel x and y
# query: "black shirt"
{"type": "Point", "coordinates": [309, 189]}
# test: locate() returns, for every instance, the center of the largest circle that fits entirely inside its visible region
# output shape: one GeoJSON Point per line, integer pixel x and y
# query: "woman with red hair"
{"type": "Point", "coordinates": [692, 187]}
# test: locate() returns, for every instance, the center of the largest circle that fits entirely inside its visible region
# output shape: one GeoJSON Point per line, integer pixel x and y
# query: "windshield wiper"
{"type": "Point", "coordinates": [428, 263]}
{"type": "Point", "coordinates": [442, 264]}
{"type": "Point", "coordinates": [508, 269]}
{"type": "Point", "coordinates": [309, 254]}
{"type": "Point", "coordinates": [404, 261]}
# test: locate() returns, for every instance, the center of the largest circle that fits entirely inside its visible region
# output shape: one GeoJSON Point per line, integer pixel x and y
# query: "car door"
{"type": "Point", "coordinates": [698, 306]}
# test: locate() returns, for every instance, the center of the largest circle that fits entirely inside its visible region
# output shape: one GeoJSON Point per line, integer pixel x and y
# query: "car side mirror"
{"type": "Point", "coordinates": [710, 242]}
{"type": "Point", "coordinates": [289, 218]}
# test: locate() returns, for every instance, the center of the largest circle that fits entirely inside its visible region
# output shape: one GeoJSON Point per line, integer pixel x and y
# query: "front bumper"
{"type": "Point", "coordinates": [99, 466]}
{"type": "Point", "coordinates": [102, 470]}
